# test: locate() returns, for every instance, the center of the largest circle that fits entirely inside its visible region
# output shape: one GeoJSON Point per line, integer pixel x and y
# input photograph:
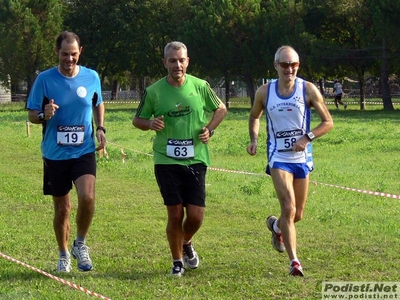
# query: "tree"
{"type": "Point", "coordinates": [28, 29]}
{"type": "Point", "coordinates": [125, 36]}
{"type": "Point", "coordinates": [355, 37]}
{"type": "Point", "coordinates": [158, 22]}
{"type": "Point", "coordinates": [104, 27]}
{"type": "Point", "coordinates": [385, 19]}
{"type": "Point", "coordinates": [209, 42]}
{"type": "Point", "coordinates": [230, 39]}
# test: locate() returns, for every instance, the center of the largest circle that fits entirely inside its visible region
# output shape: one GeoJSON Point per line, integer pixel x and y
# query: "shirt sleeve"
{"type": "Point", "coordinates": [212, 101]}
{"type": "Point", "coordinates": [145, 108]}
{"type": "Point", "coordinates": [36, 95]}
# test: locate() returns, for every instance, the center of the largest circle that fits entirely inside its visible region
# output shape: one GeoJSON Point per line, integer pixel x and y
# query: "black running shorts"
{"type": "Point", "coordinates": [182, 184]}
{"type": "Point", "coordinates": [58, 175]}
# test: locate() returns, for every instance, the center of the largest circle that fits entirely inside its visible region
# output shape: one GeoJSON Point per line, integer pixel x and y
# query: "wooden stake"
{"type": "Point", "coordinates": [28, 128]}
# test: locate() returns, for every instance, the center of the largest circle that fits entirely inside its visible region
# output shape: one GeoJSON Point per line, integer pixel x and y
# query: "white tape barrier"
{"type": "Point", "coordinates": [393, 196]}
{"type": "Point", "coordinates": [73, 285]}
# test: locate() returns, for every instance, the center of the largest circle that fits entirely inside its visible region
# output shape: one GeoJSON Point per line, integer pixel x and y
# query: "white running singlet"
{"type": "Point", "coordinates": [288, 119]}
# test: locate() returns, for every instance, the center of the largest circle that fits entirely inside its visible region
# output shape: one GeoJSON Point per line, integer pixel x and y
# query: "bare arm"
{"type": "Point", "coordinates": [218, 115]}
{"type": "Point", "coordinates": [254, 118]}
{"type": "Point", "coordinates": [98, 115]}
{"type": "Point", "coordinates": [49, 111]}
{"type": "Point", "coordinates": [156, 124]}
{"type": "Point", "coordinates": [33, 117]}
{"type": "Point", "coordinates": [315, 99]}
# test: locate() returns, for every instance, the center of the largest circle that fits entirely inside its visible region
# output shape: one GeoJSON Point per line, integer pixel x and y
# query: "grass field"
{"type": "Point", "coordinates": [346, 235]}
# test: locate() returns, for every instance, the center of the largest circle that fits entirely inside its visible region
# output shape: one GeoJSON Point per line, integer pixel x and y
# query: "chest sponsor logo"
{"type": "Point", "coordinates": [179, 111]}
{"type": "Point", "coordinates": [290, 133]}
{"type": "Point", "coordinates": [180, 142]}
{"type": "Point", "coordinates": [81, 91]}
{"type": "Point", "coordinates": [66, 128]}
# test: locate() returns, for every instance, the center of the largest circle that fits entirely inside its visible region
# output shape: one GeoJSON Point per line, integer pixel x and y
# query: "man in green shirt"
{"type": "Point", "coordinates": [175, 108]}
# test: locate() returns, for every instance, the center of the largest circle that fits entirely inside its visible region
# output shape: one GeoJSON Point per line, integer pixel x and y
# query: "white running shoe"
{"type": "Point", "coordinates": [64, 264]}
{"type": "Point", "coordinates": [81, 252]}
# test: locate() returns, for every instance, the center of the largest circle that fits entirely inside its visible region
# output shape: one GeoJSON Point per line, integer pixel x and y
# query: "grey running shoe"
{"type": "Point", "coordinates": [296, 269]}
{"type": "Point", "coordinates": [64, 264]}
{"type": "Point", "coordinates": [177, 269]}
{"type": "Point", "coordinates": [81, 252]}
{"type": "Point", "coordinates": [276, 239]}
{"type": "Point", "coordinates": [190, 256]}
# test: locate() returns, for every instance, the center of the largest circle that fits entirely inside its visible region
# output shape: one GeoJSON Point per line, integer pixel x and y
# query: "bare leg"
{"type": "Point", "coordinates": [61, 224]}
{"type": "Point", "coordinates": [336, 102]}
{"type": "Point", "coordinates": [193, 221]}
{"type": "Point", "coordinates": [85, 186]}
{"type": "Point", "coordinates": [342, 103]}
{"type": "Point", "coordinates": [292, 194]}
{"type": "Point", "coordinates": [174, 229]}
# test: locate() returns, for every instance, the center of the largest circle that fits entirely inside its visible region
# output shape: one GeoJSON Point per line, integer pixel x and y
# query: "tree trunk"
{"type": "Point", "coordinates": [227, 88]}
{"type": "Point", "coordinates": [362, 88]}
{"type": "Point", "coordinates": [114, 91]}
{"type": "Point", "coordinates": [250, 88]}
{"type": "Point", "coordinates": [386, 94]}
{"type": "Point", "coordinates": [321, 84]}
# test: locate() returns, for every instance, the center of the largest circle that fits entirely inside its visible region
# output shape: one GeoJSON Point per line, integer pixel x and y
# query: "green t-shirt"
{"type": "Point", "coordinates": [184, 111]}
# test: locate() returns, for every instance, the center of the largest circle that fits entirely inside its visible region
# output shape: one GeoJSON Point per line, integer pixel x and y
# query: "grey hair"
{"type": "Point", "coordinates": [280, 49]}
{"type": "Point", "coordinates": [175, 45]}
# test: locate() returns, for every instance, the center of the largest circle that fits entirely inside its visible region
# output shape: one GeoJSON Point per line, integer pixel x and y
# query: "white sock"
{"type": "Point", "coordinates": [64, 254]}
{"type": "Point", "coordinates": [295, 260]}
{"type": "Point", "coordinates": [276, 228]}
{"type": "Point", "coordinates": [178, 260]}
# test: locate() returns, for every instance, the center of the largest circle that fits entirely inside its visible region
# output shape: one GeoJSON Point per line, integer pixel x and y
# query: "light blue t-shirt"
{"type": "Point", "coordinates": [69, 133]}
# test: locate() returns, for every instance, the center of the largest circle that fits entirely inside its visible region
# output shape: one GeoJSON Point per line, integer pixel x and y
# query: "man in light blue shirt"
{"type": "Point", "coordinates": [66, 99]}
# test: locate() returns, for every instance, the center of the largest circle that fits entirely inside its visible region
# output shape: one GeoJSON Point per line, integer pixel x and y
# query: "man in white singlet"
{"type": "Point", "coordinates": [338, 90]}
{"type": "Point", "coordinates": [287, 103]}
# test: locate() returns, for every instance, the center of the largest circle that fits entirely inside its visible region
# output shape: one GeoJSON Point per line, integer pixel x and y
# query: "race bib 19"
{"type": "Point", "coordinates": [180, 149]}
{"type": "Point", "coordinates": [70, 135]}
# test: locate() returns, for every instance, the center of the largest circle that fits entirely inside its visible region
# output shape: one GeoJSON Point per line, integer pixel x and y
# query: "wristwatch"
{"type": "Point", "coordinates": [310, 135]}
{"type": "Point", "coordinates": [210, 131]}
{"type": "Point", "coordinates": [41, 116]}
{"type": "Point", "coordinates": [101, 128]}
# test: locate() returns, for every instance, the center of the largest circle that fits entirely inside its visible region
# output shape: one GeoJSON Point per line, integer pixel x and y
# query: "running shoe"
{"type": "Point", "coordinates": [277, 240]}
{"type": "Point", "coordinates": [81, 252]}
{"type": "Point", "coordinates": [177, 269]}
{"type": "Point", "coordinates": [64, 264]}
{"type": "Point", "coordinates": [190, 256]}
{"type": "Point", "coordinates": [296, 269]}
